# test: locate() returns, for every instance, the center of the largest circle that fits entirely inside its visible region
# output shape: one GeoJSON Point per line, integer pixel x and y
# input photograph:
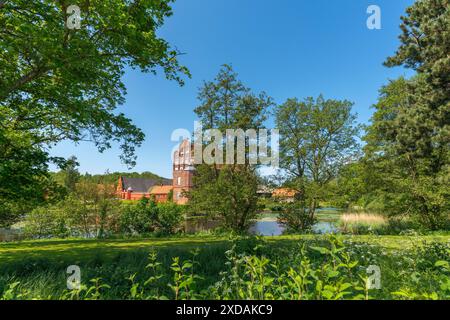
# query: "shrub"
{"type": "Point", "coordinates": [139, 218]}
{"type": "Point", "coordinates": [146, 216]}
{"type": "Point", "coordinates": [296, 217]}
{"type": "Point", "coordinates": [45, 222]}
{"type": "Point", "coordinates": [169, 218]}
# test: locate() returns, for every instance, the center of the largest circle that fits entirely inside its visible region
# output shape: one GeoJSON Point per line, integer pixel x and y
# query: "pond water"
{"type": "Point", "coordinates": [273, 228]}
{"type": "Point", "coordinates": [262, 228]}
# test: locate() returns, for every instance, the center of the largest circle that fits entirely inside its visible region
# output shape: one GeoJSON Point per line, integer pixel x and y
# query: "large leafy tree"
{"type": "Point", "coordinates": [61, 84]}
{"type": "Point", "coordinates": [227, 194]}
{"type": "Point", "coordinates": [226, 103]}
{"type": "Point", "coordinates": [24, 178]}
{"type": "Point", "coordinates": [229, 191]}
{"type": "Point", "coordinates": [318, 136]}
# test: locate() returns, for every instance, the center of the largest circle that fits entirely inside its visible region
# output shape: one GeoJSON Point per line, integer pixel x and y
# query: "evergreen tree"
{"type": "Point", "coordinates": [71, 174]}
{"type": "Point", "coordinates": [408, 141]}
{"type": "Point", "coordinates": [228, 192]}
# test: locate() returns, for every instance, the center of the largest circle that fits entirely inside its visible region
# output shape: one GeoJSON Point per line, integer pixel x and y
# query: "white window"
{"type": "Point", "coordinates": [179, 181]}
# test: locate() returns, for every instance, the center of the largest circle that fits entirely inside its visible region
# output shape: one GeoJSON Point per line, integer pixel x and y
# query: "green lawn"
{"type": "Point", "coordinates": [40, 266]}
{"type": "Point", "coordinates": [82, 249]}
{"type": "Point", "coordinates": [86, 249]}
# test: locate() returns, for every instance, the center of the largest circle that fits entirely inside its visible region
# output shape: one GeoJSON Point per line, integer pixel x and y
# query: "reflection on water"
{"type": "Point", "coordinates": [273, 228]}
{"type": "Point", "coordinates": [325, 227]}
{"type": "Point", "coordinates": [262, 228]}
{"type": "Point", "coordinates": [266, 228]}
{"type": "Point", "coordinates": [198, 225]}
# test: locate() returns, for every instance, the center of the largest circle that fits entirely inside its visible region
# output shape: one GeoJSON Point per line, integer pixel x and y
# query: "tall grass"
{"type": "Point", "coordinates": [357, 223]}
{"type": "Point", "coordinates": [364, 218]}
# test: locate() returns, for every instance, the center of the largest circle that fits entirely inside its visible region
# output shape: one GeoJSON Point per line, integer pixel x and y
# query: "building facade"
{"type": "Point", "coordinates": [183, 171]}
{"type": "Point", "coordinates": [175, 189]}
{"type": "Point", "coordinates": [161, 189]}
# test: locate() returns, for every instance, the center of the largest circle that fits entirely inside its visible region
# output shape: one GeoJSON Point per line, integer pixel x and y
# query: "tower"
{"type": "Point", "coordinates": [183, 171]}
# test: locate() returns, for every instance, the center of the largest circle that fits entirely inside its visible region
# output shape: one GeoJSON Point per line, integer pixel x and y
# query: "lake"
{"type": "Point", "coordinates": [268, 226]}
{"type": "Point", "coordinates": [273, 228]}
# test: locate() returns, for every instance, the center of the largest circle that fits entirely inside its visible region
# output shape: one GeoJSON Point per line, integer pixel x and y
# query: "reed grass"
{"type": "Point", "coordinates": [361, 223]}
{"type": "Point", "coordinates": [364, 218]}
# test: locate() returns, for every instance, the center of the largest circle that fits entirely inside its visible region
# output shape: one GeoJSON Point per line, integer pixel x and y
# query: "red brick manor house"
{"type": "Point", "coordinates": [182, 176]}
{"type": "Point", "coordinates": [182, 172]}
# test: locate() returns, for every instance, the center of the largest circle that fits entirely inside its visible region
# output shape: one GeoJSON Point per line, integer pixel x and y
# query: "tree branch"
{"type": "Point", "coordinates": [30, 76]}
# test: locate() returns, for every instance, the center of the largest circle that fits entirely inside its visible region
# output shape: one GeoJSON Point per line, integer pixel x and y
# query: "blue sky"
{"type": "Point", "coordinates": [288, 48]}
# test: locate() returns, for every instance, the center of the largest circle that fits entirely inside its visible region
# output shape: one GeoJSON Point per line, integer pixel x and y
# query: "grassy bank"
{"type": "Point", "coordinates": [87, 249]}
{"type": "Point", "coordinates": [39, 266]}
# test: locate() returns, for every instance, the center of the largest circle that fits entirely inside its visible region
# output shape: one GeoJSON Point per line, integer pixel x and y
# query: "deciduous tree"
{"type": "Point", "coordinates": [318, 136]}
{"type": "Point", "coordinates": [62, 84]}
{"type": "Point", "coordinates": [229, 192]}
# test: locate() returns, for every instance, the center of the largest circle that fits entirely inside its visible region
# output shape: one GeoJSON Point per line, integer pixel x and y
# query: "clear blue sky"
{"type": "Point", "coordinates": [288, 48]}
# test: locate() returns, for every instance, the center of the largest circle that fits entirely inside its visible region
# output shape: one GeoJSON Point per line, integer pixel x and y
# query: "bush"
{"type": "Point", "coordinates": [170, 216]}
{"type": "Point", "coordinates": [79, 218]}
{"type": "Point", "coordinates": [146, 216]}
{"type": "Point", "coordinates": [276, 208]}
{"type": "Point", "coordinates": [296, 217]}
{"type": "Point", "coordinates": [45, 222]}
{"type": "Point", "coordinates": [139, 218]}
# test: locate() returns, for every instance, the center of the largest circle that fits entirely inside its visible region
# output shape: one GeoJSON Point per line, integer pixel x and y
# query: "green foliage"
{"type": "Point", "coordinates": [350, 186]}
{"type": "Point", "coordinates": [47, 221]}
{"type": "Point", "coordinates": [408, 139]}
{"type": "Point", "coordinates": [170, 217]}
{"type": "Point", "coordinates": [108, 177]}
{"type": "Point", "coordinates": [404, 182]}
{"type": "Point", "coordinates": [296, 217]}
{"type": "Point", "coordinates": [59, 84]}
{"type": "Point", "coordinates": [405, 169]}
{"type": "Point", "coordinates": [228, 194]}
{"type": "Point", "coordinates": [323, 269]}
{"type": "Point", "coordinates": [227, 104]}
{"type": "Point", "coordinates": [139, 218]}
{"type": "Point", "coordinates": [170, 196]}
{"type": "Point", "coordinates": [318, 137]}
{"type": "Point", "coordinates": [424, 48]}
{"type": "Point", "coordinates": [184, 278]}
{"type": "Point", "coordinates": [24, 179]}
{"type": "Point", "coordinates": [71, 174]}
{"type": "Point", "coordinates": [434, 259]}
{"type": "Point", "coordinates": [91, 210]}
{"type": "Point", "coordinates": [146, 216]}
{"type": "Point", "coordinates": [62, 84]}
